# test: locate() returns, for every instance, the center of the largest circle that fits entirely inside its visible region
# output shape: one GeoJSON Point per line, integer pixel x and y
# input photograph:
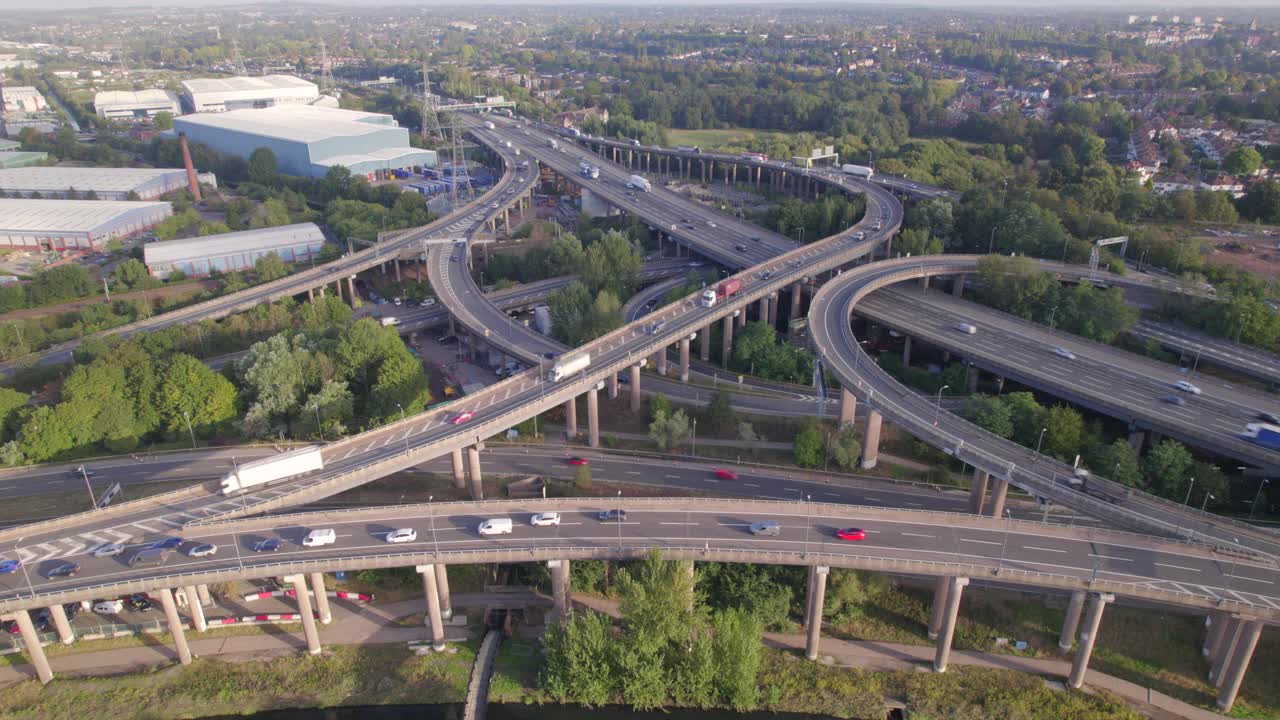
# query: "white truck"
{"type": "Point", "coordinates": [490, 125]}
{"type": "Point", "coordinates": [861, 171]}
{"type": "Point", "coordinates": [276, 467]}
{"type": "Point", "coordinates": [637, 182]}
{"type": "Point", "coordinates": [566, 366]}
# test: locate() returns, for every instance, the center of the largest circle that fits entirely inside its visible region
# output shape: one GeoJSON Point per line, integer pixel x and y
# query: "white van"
{"type": "Point", "coordinates": [108, 607]}
{"type": "Point", "coordinates": [967, 329]}
{"type": "Point", "coordinates": [495, 526]}
{"type": "Point", "coordinates": [316, 538]}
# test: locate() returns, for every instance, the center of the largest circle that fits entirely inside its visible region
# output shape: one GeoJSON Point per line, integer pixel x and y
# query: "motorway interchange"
{"type": "Point", "coordinates": [1193, 575]}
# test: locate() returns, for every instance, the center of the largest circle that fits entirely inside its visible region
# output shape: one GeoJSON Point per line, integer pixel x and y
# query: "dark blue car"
{"type": "Point", "coordinates": [10, 566]}
{"type": "Point", "coordinates": [268, 545]}
{"type": "Point", "coordinates": [169, 543]}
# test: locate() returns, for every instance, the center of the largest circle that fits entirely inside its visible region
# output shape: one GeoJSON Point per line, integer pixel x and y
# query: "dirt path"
{"type": "Point", "coordinates": [182, 292]}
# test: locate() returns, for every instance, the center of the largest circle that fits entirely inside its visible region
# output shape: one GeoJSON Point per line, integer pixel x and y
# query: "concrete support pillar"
{"type": "Point", "coordinates": [661, 362]}
{"type": "Point", "coordinates": [773, 309]}
{"type": "Point", "coordinates": [434, 620]}
{"type": "Point", "coordinates": [704, 344]}
{"type": "Point", "coordinates": [351, 292]}
{"type": "Point", "coordinates": [999, 491]}
{"type": "Point", "coordinates": [971, 378]}
{"type": "Point", "coordinates": [303, 597]}
{"type": "Point", "coordinates": [571, 417]}
{"type": "Point", "coordinates": [473, 461]}
{"type": "Point", "coordinates": [1217, 624]}
{"type": "Point", "coordinates": [955, 589]}
{"type": "Point", "coordinates": [1072, 621]}
{"type": "Point", "coordinates": [940, 589]}
{"type": "Point", "coordinates": [202, 592]}
{"type": "Point", "coordinates": [742, 317]}
{"type": "Point", "coordinates": [442, 590]}
{"type": "Point", "coordinates": [175, 625]}
{"type": "Point", "coordinates": [1136, 440]}
{"type": "Point", "coordinates": [817, 596]}
{"type": "Point", "coordinates": [1226, 649]}
{"type": "Point", "coordinates": [194, 609]}
{"type": "Point", "coordinates": [311, 295]}
{"type": "Point", "coordinates": [322, 598]}
{"type": "Point", "coordinates": [612, 384]}
{"type": "Point", "coordinates": [906, 351]}
{"type": "Point", "coordinates": [459, 474]}
{"type": "Point", "coordinates": [684, 359]}
{"type": "Point", "coordinates": [62, 624]}
{"type": "Point", "coordinates": [848, 406]}
{"type": "Point", "coordinates": [797, 300]}
{"type": "Point", "coordinates": [635, 388]}
{"type": "Point", "coordinates": [726, 340]}
{"type": "Point", "coordinates": [35, 651]}
{"type": "Point", "coordinates": [593, 417]}
{"type": "Point", "coordinates": [1088, 636]}
{"type": "Point", "coordinates": [978, 491]}
{"type": "Point", "coordinates": [559, 588]}
{"type": "Point", "coordinates": [764, 309]}
{"type": "Point", "coordinates": [957, 285]}
{"type": "Point", "coordinates": [1239, 664]}
{"type": "Point", "coordinates": [397, 265]}
{"type": "Point", "coordinates": [871, 440]}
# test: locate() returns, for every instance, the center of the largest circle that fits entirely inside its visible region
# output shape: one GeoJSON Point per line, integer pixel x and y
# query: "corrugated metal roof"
{"type": "Point", "coordinates": [173, 251]}
{"type": "Point", "coordinates": [108, 98]}
{"type": "Point", "coordinates": [297, 123]}
{"type": "Point", "coordinates": [18, 215]}
{"type": "Point", "coordinates": [241, 83]}
{"type": "Point", "coordinates": [83, 179]}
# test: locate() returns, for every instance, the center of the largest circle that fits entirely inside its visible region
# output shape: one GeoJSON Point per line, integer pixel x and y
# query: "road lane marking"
{"type": "Point", "coordinates": [1178, 567]}
{"type": "Point", "coordinates": [984, 542]}
{"type": "Point", "coordinates": [1111, 557]}
{"type": "Point", "coordinates": [1053, 550]}
{"type": "Point", "coordinates": [1246, 577]}
{"type": "Point", "coordinates": [918, 535]}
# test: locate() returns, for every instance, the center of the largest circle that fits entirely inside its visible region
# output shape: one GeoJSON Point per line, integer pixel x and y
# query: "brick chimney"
{"type": "Point", "coordinates": [191, 169]}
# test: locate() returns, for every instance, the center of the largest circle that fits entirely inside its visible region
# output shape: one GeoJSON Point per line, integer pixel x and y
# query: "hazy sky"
{"type": "Point", "coordinates": [1148, 5]}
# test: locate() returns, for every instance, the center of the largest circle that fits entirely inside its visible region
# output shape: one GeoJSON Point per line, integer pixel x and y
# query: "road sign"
{"type": "Point", "coordinates": [108, 496]}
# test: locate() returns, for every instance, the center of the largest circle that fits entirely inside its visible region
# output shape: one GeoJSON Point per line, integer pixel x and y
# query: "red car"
{"type": "Point", "coordinates": [577, 461]}
{"type": "Point", "coordinates": [724, 474]}
{"type": "Point", "coordinates": [462, 417]}
{"type": "Point", "coordinates": [851, 534]}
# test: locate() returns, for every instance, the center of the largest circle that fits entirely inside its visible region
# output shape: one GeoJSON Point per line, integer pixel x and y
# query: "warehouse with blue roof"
{"type": "Point", "coordinates": [308, 140]}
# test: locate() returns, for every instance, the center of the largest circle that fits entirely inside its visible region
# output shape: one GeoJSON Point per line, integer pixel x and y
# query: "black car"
{"type": "Point", "coordinates": [1270, 418]}
{"type": "Point", "coordinates": [71, 609]}
{"type": "Point", "coordinates": [268, 545]}
{"type": "Point", "coordinates": [137, 603]}
{"type": "Point", "coordinates": [740, 247]}
{"type": "Point", "coordinates": [42, 620]}
{"type": "Point", "coordinates": [66, 569]}
{"type": "Point", "coordinates": [612, 515]}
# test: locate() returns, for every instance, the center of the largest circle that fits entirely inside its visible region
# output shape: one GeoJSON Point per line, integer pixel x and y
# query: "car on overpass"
{"type": "Point", "coordinates": [1187, 387]}
{"type": "Point", "coordinates": [726, 474]}
{"type": "Point", "coordinates": [577, 461]}
{"type": "Point", "coordinates": [851, 534]}
{"type": "Point", "coordinates": [10, 566]}
{"type": "Point", "coordinates": [402, 535]}
{"type": "Point", "coordinates": [267, 545]}
{"type": "Point", "coordinates": [545, 519]}
{"type": "Point", "coordinates": [462, 417]}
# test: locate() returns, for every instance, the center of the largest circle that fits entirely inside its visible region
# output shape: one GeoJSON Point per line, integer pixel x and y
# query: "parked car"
{"type": "Point", "coordinates": [169, 543]}
{"type": "Point", "coordinates": [203, 550]}
{"type": "Point", "coordinates": [63, 569]}
{"type": "Point", "coordinates": [108, 607]}
{"type": "Point", "coordinates": [110, 549]}
{"type": "Point", "coordinates": [10, 566]}
{"type": "Point", "coordinates": [544, 519]}
{"type": "Point", "coordinates": [137, 602]}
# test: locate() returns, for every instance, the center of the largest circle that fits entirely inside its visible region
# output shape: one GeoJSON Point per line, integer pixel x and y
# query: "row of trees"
{"type": "Point", "coordinates": [590, 307]}
{"type": "Point", "coordinates": [1016, 285]}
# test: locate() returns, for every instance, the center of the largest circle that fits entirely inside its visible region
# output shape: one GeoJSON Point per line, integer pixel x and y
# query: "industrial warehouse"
{"type": "Point", "coordinates": [216, 95]}
{"type": "Point", "coordinates": [308, 140]}
{"type": "Point", "coordinates": [103, 183]}
{"type": "Point", "coordinates": [136, 104]}
{"type": "Point", "coordinates": [196, 257]}
{"type": "Point", "coordinates": [74, 224]}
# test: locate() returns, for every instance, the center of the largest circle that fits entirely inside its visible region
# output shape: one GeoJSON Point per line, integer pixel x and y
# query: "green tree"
{"type": "Point", "coordinates": [669, 430]}
{"type": "Point", "coordinates": [130, 274]}
{"type": "Point", "coordinates": [739, 639]}
{"type": "Point", "coordinates": [990, 414]}
{"type": "Point", "coordinates": [660, 404]}
{"type": "Point", "coordinates": [263, 167]}
{"type": "Point", "coordinates": [1065, 431]}
{"type": "Point", "coordinates": [1168, 468]}
{"type": "Point", "coordinates": [191, 392]}
{"type": "Point", "coordinates": [58, 284]}
{"type": "Point", "coordinates": [162, 121]}
{"type": "Point", "coordinates": [612, 264]}
{"type": "Point", "coordinates": [752, 343]}
{"type": "Point", "coordinates": [846, 447]}
{"type": "Point", "coordinates": [1242, 161]}
{"type": "Point", "coordinates": [565, 256]}
{"type": "Point", "coordinates": [1117, 461]}
{"type": "Point", "coordinates": [270, 267]}
{"type": "Point", "coordinates": [719, 416]}
{"type": "Point", "coordinates": [12, 402]}
{"type": "Point", "coordinates": [807, 446]}
{"type": "Point", "coordinates": [579, 665]}
{"type": "Point", "coordinates": [918, 241]}
{"type": "Point", "coordinates": [273, 213]}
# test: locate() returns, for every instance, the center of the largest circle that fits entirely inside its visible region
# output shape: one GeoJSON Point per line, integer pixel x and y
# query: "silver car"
{"type": "Point", "coordinates": [108, 550]}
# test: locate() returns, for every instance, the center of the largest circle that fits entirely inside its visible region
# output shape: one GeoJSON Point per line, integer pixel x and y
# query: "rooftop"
{"type": "Point", "coordinates": [297, 123]}
{"type": "Point", "coordinates": [83, 178]}
{"type": "Point", "coordinates": [133, 97]}
{"type": "Point", "coordinates": [64, 215]}
{"type": "Point", "coordinates": [241, 84]}
{"type": "Point", "coordinates": [171, 251]}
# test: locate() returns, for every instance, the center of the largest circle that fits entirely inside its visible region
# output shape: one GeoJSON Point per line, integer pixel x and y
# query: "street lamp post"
{"type": "Point", "coordinates": [1257, 497]}
{"type": "Point", "coordinates": [1052, 312]}
{"type": "Point", "coordinates": [1207, 497]}
{"type": "Point", "coordinates": [1008, 514]}
{"type": "Point", "coordinates": [694, 437]}
{"type": "Point", "coordinates": [187, 415]}
{"type": "Point", "coordinates": [991, 244]}
{"type": "Point", "coordinates": [434, 540]}
{"type": "Point", "coordinates": [937, 409]}
{"type": "Point", "coordinates": [30, 587]}
{"type": "Point", "coordinates": [1177, 530]}
{"type": "Point", "coordinates": [1040, 441]}
{"type": "Point", "coordinates": [319, 427]}
{"type": "Point", "coordinates": [619, 518]}
{"type": "Point", "coordinates": [808, 521]}
{"type": "Point", "coordinates": [406, 432]}
{"type": "Point", "coordinates": [93, 502]}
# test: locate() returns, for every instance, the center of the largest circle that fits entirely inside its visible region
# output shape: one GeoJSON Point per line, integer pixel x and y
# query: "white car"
{"type": "Point", "coordinates": [109, 607]}
{"type": "Point", "coordinates": [1064, 353]}
{"type": "Point", "coordinates": [203, 550]}
{"type": "Point", "coordinates": [108, 550]}
{"type": "Point", "coordinates": [428, 302]}
{"type": "Point", "coordinates": [1187, 387]}
{"type": "Point", "coordinates": [546, 518]}
{"type": "Point", "coordinates": [711, 223]}
{"type": "Point", "coordinates": [403, 535]}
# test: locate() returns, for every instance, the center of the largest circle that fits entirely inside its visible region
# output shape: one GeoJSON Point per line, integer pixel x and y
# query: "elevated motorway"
{"type": "Point", "coordinates": [1199, 348]}
{"type": "Point", "coordinates": [1095, 376]}
{"type": "Point", "coordinates": [989, 454]}
{"type": "Point", "coordinates": [467, 218]}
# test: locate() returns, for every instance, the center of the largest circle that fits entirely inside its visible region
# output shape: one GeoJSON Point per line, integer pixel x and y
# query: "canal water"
{"type": "Point", "coordinates": [509, 712]}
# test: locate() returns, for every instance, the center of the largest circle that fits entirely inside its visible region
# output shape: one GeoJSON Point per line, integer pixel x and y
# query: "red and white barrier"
{"type": "Point", "coordinates": [338, 594]}
{"type": "Point", "coordinates": [222, 621]}
{"type": "Point", "coordinates": [263, 595]}
{"type": "Point", "coordinates": [357, 597]}
{"type": "Point", "coordinates": [271, 618]}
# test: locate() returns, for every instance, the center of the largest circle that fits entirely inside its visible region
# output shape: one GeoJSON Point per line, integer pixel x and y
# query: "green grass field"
{"type": "Point", "coordinates": [710, 139]}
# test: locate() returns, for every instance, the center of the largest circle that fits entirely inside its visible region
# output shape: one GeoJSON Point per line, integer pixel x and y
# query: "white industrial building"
{"type": "Point", "coordinates": [307, 140]}
{"type": "Point", "coordinates": [196, 257]}
{"type": "Point", "coordinates": [23, 99]}
{"type": "Point", "coordinates": [74, 224]}
{"type": "Point", "coordinates": [215, 95]}
{"type": "Point", "coordinates": [136, 104]}
{"type": "Point", "coordinates": [105, 183]}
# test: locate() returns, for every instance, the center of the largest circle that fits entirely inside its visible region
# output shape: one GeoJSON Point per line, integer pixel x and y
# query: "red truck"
{"type": "Point", "coordinates": [721, 291]}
